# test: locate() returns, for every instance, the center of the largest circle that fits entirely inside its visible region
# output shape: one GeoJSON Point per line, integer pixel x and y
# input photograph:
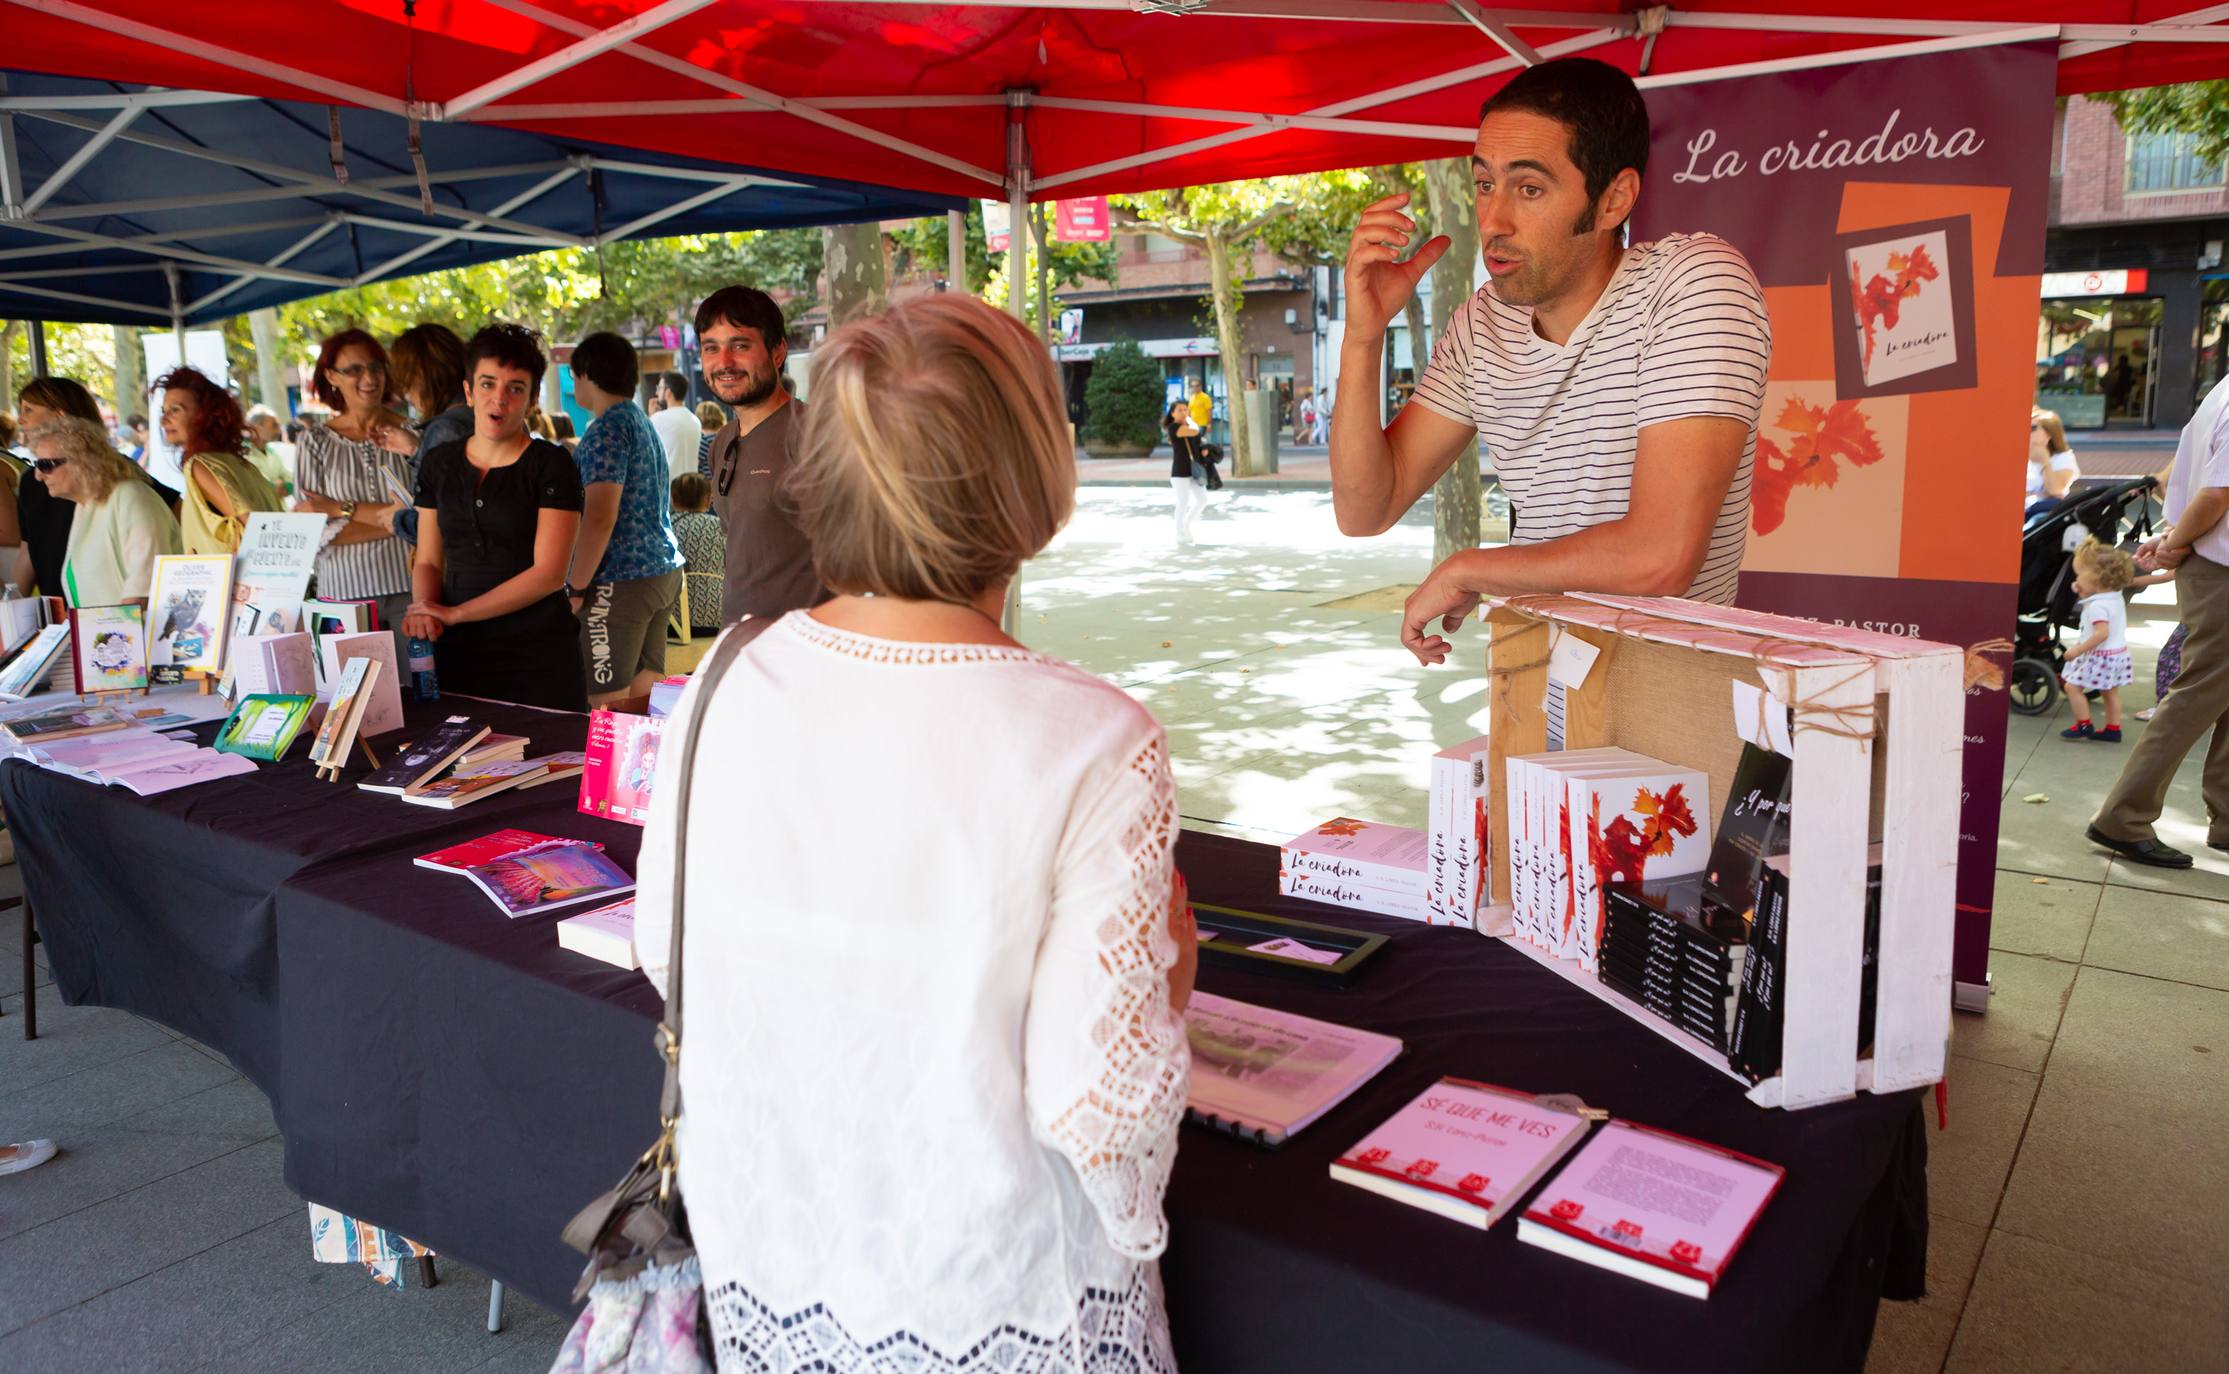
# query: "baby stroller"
{"type": "Point", "coordinates": [2116, 512]}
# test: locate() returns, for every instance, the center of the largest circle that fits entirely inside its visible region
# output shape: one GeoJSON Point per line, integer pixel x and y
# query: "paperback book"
{"type": "Point", "coordinates": [1653, 1206]}
{"type": "Point", "coordinates": [1456, 806]}
{"type": "Point", "coordinates": [1361, 864]}
{"type": "Point", "coordinates": [110, 645]}
{"type": "Point", "coordinates": [1536, 795]}
{"type": "Point", "coordinates": [622, 765]}
{"type": "Point", "coordinates": [1647, 821]}
{"type": "Point", "coordinates": [262, 727]}
{"type": "Point", "coordinates": [426, 758]}
{"type": "Point", "coordinates": [337, 732]}
{"type": "Point", "coordinates": [548, 876]}
{"type": "Point", "coordinates": [468, 783]}
{"type": "Point", "coordinates": [1760, 1013]}
{"type": "Point", "coordinates": [1264, 1074]}
{"type": "Point", "coordinates": [606, 933]}
{"type": "Point", "coordinates": [26, 670]}
{"type": "Point", "coordinates": [486, 849]}
{"type": "Point", "coordinates": [66, 722]}
{"type": "Point", "coordinates": [381, 712]}
{"type": "Point", "coordinates": [1753, 825]}
{"type": "Point", "coordinates": [1467, 1151]}
{"type": "Point", "coordinates": [188, 601]}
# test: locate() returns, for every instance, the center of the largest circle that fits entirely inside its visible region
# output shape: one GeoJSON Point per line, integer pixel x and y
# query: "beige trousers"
{"type": "Point", "coordinates": [2199, 703]}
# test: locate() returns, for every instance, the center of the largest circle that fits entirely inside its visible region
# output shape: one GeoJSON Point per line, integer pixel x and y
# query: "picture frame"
{"type": "Point", "coordinates": [1228, 936]}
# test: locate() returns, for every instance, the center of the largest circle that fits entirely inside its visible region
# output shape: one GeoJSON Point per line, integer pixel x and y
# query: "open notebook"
{"type": "Point", "coordinates": [1263, 1074]}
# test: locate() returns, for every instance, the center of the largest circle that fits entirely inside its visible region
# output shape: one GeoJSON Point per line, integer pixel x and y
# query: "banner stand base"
{"type": "Point", "coordinates": [1973, 996]}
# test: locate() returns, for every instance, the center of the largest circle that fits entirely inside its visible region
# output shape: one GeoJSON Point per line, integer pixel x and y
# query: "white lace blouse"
{"type": "Point", "coordinates": [930, 1076]}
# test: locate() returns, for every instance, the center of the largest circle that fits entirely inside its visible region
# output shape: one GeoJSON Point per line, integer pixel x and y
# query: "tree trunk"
{"type": "Point", "coordinates": [8, 329]}
{"type": "Point", "coordinates": [270, 378]}
{"type": "Point", "coordinates": [1037, 216]}
{"type": "Point", "coordinates": [1456, 497]}
{"type": "Point", "coordinates": [131, 387]}
{"type": "Point", "coordinates": [1219, 252]}
{"type": "Point", "coordinates": [851, 258]}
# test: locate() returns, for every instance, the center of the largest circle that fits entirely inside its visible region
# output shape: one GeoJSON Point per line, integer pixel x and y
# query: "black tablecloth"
{"type": "Point", "coordinates": [452, 1074]}
{"type": "Point", "coordinates": [456, 1076]}
{"type": "Point", "coordinates": [165, 905]}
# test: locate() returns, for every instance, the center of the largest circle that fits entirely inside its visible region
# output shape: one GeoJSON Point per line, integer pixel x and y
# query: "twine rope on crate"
{"type": "Point", "coordinates": [1812, 714]}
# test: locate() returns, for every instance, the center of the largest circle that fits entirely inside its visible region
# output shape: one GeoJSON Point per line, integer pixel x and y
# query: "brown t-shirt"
{"type": "Point", "coordinates": [769, 568]}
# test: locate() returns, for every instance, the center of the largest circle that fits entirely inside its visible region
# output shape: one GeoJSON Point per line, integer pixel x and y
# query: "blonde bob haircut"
{"type": "Point", "coordinates": [101, 469]}
{"type": "Point", "coordinates": [935, 456]}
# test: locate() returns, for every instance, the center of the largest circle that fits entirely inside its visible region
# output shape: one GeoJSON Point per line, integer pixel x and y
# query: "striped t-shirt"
{"type": "Point", "coordinates": [349, 470]}
{"type": "Point", "coordinates": [1679, 332]}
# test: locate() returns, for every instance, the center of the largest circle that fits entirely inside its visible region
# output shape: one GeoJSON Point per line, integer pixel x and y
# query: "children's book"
{"type": "Point", "coordinates": [110, 644]}
{"type": "Point", "coordinates": [262, 727]}
{"type": "Point", "coordinates": [547, 876]}
{"type": "Point", "coordinates": [188, 607]}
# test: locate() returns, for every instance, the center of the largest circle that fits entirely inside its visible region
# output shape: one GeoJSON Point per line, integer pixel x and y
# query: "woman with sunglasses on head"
{"type": "Point", "coordinates": [497, 515]}
{"type": "Point", "coordinates": [343, 474]}
{"type": "Point", "coordinates": [221, 488]}
{"type": "Point", "coordinates": [121, 526]}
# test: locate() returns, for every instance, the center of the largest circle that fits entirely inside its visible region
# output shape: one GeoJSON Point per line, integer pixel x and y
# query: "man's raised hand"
{"type": "Point", "coordinates": [1379, 284]}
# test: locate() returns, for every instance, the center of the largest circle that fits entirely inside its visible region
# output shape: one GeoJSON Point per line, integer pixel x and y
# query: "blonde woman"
{"type": "Point", "coordinates": [221, 488]}
{"type": "Point", "coordinates": [997, 981]}
{"type": "Point", "coordinates": [121, 524]}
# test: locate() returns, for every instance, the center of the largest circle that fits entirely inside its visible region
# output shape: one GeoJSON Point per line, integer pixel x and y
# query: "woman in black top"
{"type": "Point", "coordinates": [1184, 448]}
{"type": "Point", "coordinates": [497, 514]}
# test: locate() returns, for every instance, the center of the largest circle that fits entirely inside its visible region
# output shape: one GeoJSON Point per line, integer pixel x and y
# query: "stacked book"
{"type": "Point", "coordinates": [1359, 864]}
{"type": "Point", "coordinates": [1456, 872]}
{"type": "Point", "coordinates": [1661, 947]}
{"type": "Point", "coordinates": [461, 762]}
{"type": "Point", "coordinates": [1582, 819]}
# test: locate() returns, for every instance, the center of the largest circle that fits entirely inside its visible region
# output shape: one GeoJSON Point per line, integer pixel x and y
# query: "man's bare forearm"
{"type": "Point", "coordinates": [1362, 485]}
{"type": "Point", "coordinates": [1616, 558]}
{"type": "Point", "coordinates": [2202, 514]}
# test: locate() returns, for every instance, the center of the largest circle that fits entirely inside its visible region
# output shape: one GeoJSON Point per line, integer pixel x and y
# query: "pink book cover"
{"type": "Point", "coordinates": [1472, 1141]}
{"type": "Point", "coordinates": [622, 763]}
{"type": "Point", "coordinates": [1661, 1198]}
{"type": "Point", "coordinates": [1626, 828]}
{"type": "Point", "coordinates": [1364, 842]}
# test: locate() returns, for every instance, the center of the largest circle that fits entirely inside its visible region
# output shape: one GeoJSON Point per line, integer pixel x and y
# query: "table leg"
{"type": "Point", "coordinates": [495, 1307]}
{"type": "Point", "coordinates": [30, 973]}
{"type": "Point", "coordinates": [426, 1274]}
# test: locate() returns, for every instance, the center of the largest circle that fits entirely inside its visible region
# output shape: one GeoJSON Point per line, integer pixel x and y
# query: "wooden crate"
{"type": "Point", "coordinates": [1660, 686]}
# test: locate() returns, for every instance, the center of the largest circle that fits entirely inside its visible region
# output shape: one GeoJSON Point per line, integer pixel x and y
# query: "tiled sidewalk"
{"type": "Point", "coordinates": [2081, 1195]}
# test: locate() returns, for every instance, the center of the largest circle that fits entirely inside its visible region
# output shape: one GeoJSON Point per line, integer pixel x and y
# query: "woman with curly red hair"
{"type": "Point", "coordinates": [222, 488]}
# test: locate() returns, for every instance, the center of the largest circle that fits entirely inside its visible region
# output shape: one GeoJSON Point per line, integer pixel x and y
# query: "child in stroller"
{"type": "Point", "coordinates": [2115, 514]}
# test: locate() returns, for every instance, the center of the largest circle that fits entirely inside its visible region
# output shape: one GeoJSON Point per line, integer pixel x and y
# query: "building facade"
{"type": "Point", "coordinates": [2135, 293]}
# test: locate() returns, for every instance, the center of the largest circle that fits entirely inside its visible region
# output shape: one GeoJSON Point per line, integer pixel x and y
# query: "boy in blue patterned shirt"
{"type": "Point", "coordinates": [625, 577]}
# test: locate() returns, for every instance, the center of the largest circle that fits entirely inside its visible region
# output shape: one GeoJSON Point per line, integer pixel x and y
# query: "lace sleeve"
{"type": "Point", "coordinates": [1105, 1058]}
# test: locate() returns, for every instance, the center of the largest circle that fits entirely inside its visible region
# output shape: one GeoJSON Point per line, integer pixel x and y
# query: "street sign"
{"type": "Point", "coordinates": [1082, 221]}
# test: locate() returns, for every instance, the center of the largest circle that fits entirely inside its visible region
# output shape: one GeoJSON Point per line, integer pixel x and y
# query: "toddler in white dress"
{"type": "Point", "coordinates": [2099, 661]}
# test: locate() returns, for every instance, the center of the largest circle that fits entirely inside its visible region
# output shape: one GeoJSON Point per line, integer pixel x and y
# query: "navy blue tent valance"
{"type": "Point", "coordinates": [127, 205]}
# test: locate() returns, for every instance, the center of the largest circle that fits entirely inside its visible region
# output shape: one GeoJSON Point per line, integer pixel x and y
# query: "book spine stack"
{"type": "Point", "coordinates": [1450, 777]}
{"type": "Point", "coordinates": [1677, 970]}
{"type": "Point", "coordinates": [1754, 1049]}
{"type": "Point", "coordinates": [1380, 888]}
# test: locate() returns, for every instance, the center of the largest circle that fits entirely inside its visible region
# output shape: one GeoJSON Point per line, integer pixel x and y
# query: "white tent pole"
{"type": "Point", "coordinates": [955, 250]}
{"type": "Point", "coordinates": [312, 84]}
{"type": "Point", "coordinates": [653, 169]}
{"type": "Point", "coordinates": [680, 207]}
{"type": "Point", "coordinates": [177, 310]}
{"type": "Point", "coordinates": [11, 171]}
{"type": "Point", "coordinates": [880, 138]}
{"type": "Point", "coordinates": [594, 44]}
{"type": "Point", "coordinates": [48, 293]}
{"type": "Point", "coordinates": [1361, 102]}
{"type": "Point", "coordinates": [176, 254]}
{"type": "Point", "coordinates": [153, 98]}
{"type": "Point", "coordinates": [48, 250]}
{"type": "Point", "coordinates": [1017, 204]}
{"type": "Point", "coordinates": [1850, 56]}
{"type": "Point", "coordinates": [450, 233]}
{"type": "Point", "coordinates": [312, 181]}
{"type": "Point", "coordinates": [1487, 23]}
{"type": "Point", "coordinates": [86, 152]}
{"type": "Point", "coordinates": [299, 246]}
{"type": "Point", "coordinates": [50, 273]}
{"type": "Point", "coordinates": [355, 186]}
{"type": "Point", "coordinates": [2194, 17]}
{"type": "Point", "coordinates": [534, 192]}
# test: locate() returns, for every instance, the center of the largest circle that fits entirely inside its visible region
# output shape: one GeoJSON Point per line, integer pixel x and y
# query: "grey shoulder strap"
{"type": "Point", "coordinates": [677, 769]}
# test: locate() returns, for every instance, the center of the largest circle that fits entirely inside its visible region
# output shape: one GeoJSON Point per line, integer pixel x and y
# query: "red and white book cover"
{"type": "Point", "coordinates": [1463, 1149]}
{"type": "Point", "coordinates": [1652, 1205]}
{"type": "Point", "coordinates": [1533, 776]}
{"type": "Point", "coordinates": [1409, 906]}
{"type": "Point", "coordinates": [622, 765]}
{"type": "Point", "coordinates": [1627, 827]}
{"type": "Point", "coordinates": [1451, 870]}
{"type": "Point", "coordinates": [1391, 857]}
{"type": "Point", "coordinates": [459, 857]}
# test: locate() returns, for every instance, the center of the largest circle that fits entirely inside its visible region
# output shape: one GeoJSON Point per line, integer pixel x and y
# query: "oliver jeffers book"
{"type": "Point", "coordinates": [1462, 1149]}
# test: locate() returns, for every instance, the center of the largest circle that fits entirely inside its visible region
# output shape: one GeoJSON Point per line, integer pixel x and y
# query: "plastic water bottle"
{"type": "Point", "coordinates": [422, 678]}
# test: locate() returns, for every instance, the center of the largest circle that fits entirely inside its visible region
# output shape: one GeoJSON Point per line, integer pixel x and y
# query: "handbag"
{"type": "Point", "coordinates": [1205, 460]}
{"type": "Point", "coordinates": [645, 1293]}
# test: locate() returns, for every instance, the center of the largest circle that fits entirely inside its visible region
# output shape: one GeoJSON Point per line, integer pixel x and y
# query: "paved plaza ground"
{"type": "Point", "coordinates": [2080, 1196]}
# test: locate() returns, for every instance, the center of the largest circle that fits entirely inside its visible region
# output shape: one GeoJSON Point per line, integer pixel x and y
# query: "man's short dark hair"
{"type": "Point", "coordinates": [675, 386]}
{"type": "Point", "coordinates": [744, 307]}
{"type": "Point", "coordinates": [1609, 121]}
{"type": "Point", "coordinates": [512, 345]}
{"type": "Point", "coordinates": [609, 361]}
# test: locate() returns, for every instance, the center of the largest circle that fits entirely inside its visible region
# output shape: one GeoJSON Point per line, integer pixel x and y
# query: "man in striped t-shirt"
{"type": "Point", "coordinates": [1615, 390]}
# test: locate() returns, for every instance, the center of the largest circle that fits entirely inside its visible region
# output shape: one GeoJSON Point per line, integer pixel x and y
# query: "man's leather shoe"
{"type": "Point", "coordinates": [2141, 851]}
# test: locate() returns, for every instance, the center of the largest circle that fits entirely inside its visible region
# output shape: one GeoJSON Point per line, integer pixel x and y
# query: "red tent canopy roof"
{"type": "Point", "coordinates": [1124, 94]}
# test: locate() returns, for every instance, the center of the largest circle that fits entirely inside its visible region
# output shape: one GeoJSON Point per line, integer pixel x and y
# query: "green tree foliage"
{"type": "Point", "coordinates": [1123, 395]}
{"type": "Point", "coordinates": [2196, 107]}
{"type": "Point", "coordinates": [923, 247]}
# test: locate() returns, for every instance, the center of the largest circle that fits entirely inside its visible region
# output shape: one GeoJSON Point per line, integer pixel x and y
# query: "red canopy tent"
{"type": "Point", "coordinates": [1043, 101]}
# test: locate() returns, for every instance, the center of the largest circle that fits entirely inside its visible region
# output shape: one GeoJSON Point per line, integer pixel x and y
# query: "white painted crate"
{"type": "Point", "coordinates": [1660, 687]}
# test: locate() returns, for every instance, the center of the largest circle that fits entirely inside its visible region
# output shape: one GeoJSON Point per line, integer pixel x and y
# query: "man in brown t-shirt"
{"type": "Point", "coordinates": [769, 567]}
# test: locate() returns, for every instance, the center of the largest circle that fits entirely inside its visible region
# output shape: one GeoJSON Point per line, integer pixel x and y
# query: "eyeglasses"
{"type": "Point", "coordinates": [48, 464]}
{"type": "Point", "coordinates": [358, 371]}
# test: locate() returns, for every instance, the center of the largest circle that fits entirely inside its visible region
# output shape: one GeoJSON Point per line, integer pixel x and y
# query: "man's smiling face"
{"type": "Point", "coordinates": [1536, 224]}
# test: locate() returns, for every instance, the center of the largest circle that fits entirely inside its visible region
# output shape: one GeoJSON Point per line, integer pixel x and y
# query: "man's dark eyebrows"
{"type": "Point", "coordinates": [1479, 164]}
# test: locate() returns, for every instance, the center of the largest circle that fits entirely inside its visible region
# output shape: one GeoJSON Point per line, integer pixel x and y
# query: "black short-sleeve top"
{"type": "Point", "coordinates": [488, 518]}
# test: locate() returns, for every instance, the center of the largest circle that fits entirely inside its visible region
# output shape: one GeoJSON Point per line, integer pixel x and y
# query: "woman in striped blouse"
{"type": "Point", "coordinates": [343, 474]}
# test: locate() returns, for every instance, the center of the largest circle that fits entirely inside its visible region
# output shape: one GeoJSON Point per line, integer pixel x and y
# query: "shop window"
{"type": "Point", "coordinates": [2169, 162]}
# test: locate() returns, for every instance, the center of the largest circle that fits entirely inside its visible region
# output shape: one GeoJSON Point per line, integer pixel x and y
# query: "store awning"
{"type": "Point", "coordinates": [1078, 96]}
{"type": "Point", "coordinates": [122, 201]}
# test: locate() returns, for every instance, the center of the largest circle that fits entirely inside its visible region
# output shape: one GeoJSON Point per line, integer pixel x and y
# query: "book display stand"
{"type": "Point", "coordinates": [330, 771]}
{"type": "Point", "coordinates": [1877, 741]}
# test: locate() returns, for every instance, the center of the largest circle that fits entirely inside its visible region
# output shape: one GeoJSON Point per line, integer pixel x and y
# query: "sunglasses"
{"type": "Point", "coordinates": [358, 371]}
{"type": "Point", "coordinates": [48, 464]}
